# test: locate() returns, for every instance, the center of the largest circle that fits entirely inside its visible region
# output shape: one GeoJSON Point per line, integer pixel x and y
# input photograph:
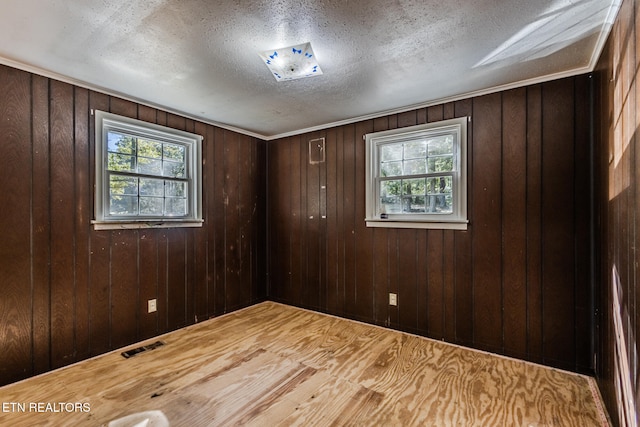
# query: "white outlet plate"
{"type": "Point", "coordinates": [152, 307]}
{"type": "Point", "coordinates": [393, 299]}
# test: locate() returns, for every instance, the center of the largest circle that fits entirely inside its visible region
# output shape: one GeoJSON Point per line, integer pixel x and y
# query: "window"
{"type": "Point", "coordinates": [416, 176]}
{"type": "Point", "coordinates": [146, 175]}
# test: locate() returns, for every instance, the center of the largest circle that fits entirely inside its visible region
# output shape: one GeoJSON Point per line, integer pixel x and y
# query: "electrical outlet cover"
{"type": "Point", "coordinates": [393, 299]}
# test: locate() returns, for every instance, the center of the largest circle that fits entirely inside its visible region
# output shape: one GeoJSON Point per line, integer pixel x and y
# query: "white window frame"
{"type": "Point", "coordinates": [105, 122]}
{"type": "Point", "coordinates": [457, 220]}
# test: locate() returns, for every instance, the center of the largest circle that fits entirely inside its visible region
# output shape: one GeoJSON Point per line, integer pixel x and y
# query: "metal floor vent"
{"type": "Point", "coordinates": [127, 354]}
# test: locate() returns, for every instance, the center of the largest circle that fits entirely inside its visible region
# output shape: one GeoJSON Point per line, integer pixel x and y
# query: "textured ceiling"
{"type": "Point", "coordinates": [200, 57]}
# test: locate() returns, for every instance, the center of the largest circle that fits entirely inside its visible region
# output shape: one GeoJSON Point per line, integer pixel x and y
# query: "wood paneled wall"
{"type": "Point", "coordinates": [618, 173]}
{"type": "Point", "coordinates": [68, 292]}
{"type": "Point", "coordinates": [516, 282]}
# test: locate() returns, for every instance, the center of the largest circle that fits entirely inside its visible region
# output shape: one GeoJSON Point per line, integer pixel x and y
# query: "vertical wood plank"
{"type": "Point", "coordinates": [408, 280]}
{"type": "Point", "coordinates": [322, 241]}
{"type": "Point", "coordinates": [332, 239]}
{"type": "Point", "coordinates": [83, 217]}
{"type": "Point", "coordinates": [582, 200]}
{"type": "Point", "coordinates": [274, 284]}
{"type": "Point", "coordinates": [514, 213]}
{"type": "Point", "coordinates": [487, 239]}
{"type": "Point", "coordinates": [16, 168]}
{"type": "Point", "coordinates": [210, 217]}
{"type": "Point", "coordinates": [340, 213]}
{"type": "Point", "coordinates": [283, 218]}
{"type": "Point", "coordinates": [147, 114]}
{"type": "Point", "coordinates": [176, 277]}
{"type": "Point", "coordinates": [434, 261]}
{"type": "Point", "coordinates": [422, 273]}
{"type": "Point", "coordinates": [148, 282]}
{"type": "Point", "coordinates": [363, 235]}
{"type": "Point", "coordinates": [219, 214]}
{"type": "Point", "coordinates": [63, 286]}
{"type": "Point", "coordinates": [448, 280]}
{"type": "Point", "coordinates": [558, 275]}
{"type": "Point", "coordinates": [534, 223]}
{"type": "Point", "coordinates": [261, 220]}
{"type": "Point", "coordinates": [40, 212]}
{"type": "Point", "coordinates": [311, 259]}
{"type": "Point", "coordinates": [174, 121]}
{"type": "Point", "coordinates": [350, 260]}
{"type": "Point", "coordinates": [296, 285]}
{"type": "Point", "coordinates": [232, 222]}
{"type": "Point", "coordinates": [245, 209]}
{"type": "Point", "coordinates": [123, 107]}
{"type": "Point", "coordinates": [124, 287]}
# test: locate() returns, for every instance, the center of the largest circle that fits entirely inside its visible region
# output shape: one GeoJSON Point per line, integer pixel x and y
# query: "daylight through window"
{"type": "Point", "coordinates": [146, 175]}
{"type": "Point", "coordinates": [416, 176]}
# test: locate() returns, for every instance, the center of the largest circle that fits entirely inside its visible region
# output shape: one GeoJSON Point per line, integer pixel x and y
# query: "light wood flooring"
{"type": "Point", "coordinates": [272, 364]}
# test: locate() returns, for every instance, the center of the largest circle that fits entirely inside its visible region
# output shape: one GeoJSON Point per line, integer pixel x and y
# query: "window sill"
{"type": "Point", "coordinates": [390, 223]}
{"type": "Point", "coordinates": [126, 225]}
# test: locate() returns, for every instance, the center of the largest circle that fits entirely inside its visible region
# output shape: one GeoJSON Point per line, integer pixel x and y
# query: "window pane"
{"type": "Point", "coordinates": [440, 199]}
{"type": "Point", "coordinates": [413, 186]}
{"type": "Point", "coordinates": [415, 167]}
{"type": "Point", "coordinates": [441, 145]}
{"type": "Point", "coordinates": [413, 204]}
{"type": "Point", "coordinates": [151, 187]}
{"type": "Point", "coordinates": [175, 206]}
{"type": "Point", "coordinates": [123, 205]}
{"type": "Point", "coordinates": [145, 172]}
{"type": "Point", "coordinates": [415, 150]}
{"type": "Point", "coordinates": [121, 162]}
{"type": "Point", "coordinates": [151, 205]}
{"type": "Point", "coordinates": [390, 205]}
{"type": "Point", "coordinates": [151, 149]}
{"type": "Point", "coordinates": [119, 143]}
{"type": "Point", "coordinates": [391, 152]}
{"type": "Point", "coordinates": [438, 185]}
{"type": "Point", "coordinates": [121, 185]}
{"type": "Point", "coordinates": [174, 152]}
{"type": "Point", "coordinates": [440, 164]}
{"type": "Point", "coordinates": [391, 169]}
{"type": "Point", "coordinates": [175, 189]}
{"type": "Point", "coordinates": [390, 188]}
{"type": "Point", "coordinates": [439, 204]}
{"type": "Point", "coordinates": [149, 166]}
{"type": "Point", "coordinates": [173, 169]}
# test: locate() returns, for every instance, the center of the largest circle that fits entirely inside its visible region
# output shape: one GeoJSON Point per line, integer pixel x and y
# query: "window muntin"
{"type": "Point", "coordinates": [146, 174]}
{"type": "Point", "coordinates": [418, 175]}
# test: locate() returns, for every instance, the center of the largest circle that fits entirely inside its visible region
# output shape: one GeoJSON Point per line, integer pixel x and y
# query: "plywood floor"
{"type": "Point", "coordinates": [271, 365]}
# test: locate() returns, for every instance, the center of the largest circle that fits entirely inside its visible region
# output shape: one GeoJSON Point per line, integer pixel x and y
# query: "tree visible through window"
{"type": "Point", "coordinates": [146, 172]}
{"type": "Point", "coordinates": [136, 167]}
{"type": "Point", "coordinates": [417, 174]}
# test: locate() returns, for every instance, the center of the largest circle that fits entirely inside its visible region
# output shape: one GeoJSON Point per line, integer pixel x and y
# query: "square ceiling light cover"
{"type": "Point", "coordinates": [293, 62]}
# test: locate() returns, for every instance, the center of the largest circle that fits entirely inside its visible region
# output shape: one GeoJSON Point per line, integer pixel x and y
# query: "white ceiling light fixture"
{"type": "Point", "coordinates": [292, 62]}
